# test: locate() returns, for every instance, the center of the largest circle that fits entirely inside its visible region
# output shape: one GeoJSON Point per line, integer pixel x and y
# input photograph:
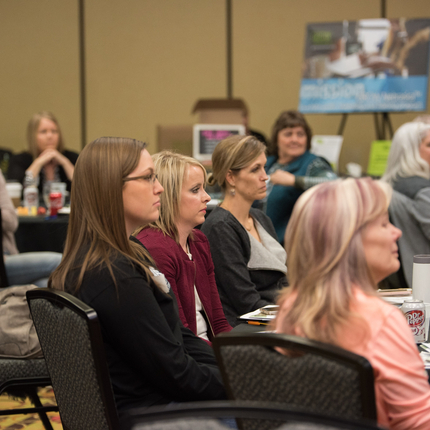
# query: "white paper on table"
{"type": "Point", "coordinates": [328, 147]}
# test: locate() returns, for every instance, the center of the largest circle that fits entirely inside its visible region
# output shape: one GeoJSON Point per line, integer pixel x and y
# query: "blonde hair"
{"type": "Point", "coordinates": [33, 126]}
{"type": "Point", "coordinates": [233, 153]}
{"type": "Point", "coordinates": [171, 169]}
{"type": "Point", "coordinates": [96, 231]}
{"type": "Point", "coordinates": [404, 159]}
{"type": "Point", "coordinates": [325, 254]}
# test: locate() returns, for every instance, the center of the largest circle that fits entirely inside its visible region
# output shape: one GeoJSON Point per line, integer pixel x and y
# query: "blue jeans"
{"type": "Point", "coordinates": [31, 267]}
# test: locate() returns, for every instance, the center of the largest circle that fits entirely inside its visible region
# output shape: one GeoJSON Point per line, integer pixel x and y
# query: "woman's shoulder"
{"type": "Point", "coordinates": [71, 155]}
{"type": "Point", "coordinates": [24, 156]}
{"type": "Point", "coordinates": [218, 215]}
{"type": "Point", "coordinates": [154, 238]}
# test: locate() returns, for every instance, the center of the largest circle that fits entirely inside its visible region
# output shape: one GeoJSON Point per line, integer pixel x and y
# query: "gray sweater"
{"type": "Point", "coordinates": [241, 289]}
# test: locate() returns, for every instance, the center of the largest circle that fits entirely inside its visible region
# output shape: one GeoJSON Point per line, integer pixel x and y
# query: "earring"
{"type": "Point", "coordinates": [233, 192]}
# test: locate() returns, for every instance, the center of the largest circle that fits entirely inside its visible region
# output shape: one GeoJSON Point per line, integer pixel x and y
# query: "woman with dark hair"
{"type": "Point", "coordinates": [340, 244]}
{"type": "Point", "coordinates": [180, 250]}
{"type": "Point", "coordinates": [152, 358]}
{"type": "Point", "coordinates": [46, 160]}
{"type": "Point", "coordinates": [291, 168]}
{"type": "Point", "coordinates": [249, 262]}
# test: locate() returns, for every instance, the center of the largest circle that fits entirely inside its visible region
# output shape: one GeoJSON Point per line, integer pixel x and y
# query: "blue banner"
{"type": "Point", "coordinates": [391, 94]}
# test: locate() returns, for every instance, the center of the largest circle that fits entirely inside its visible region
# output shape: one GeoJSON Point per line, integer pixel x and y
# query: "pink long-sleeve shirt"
{"type": "Point", "coordinates": [401, 383]}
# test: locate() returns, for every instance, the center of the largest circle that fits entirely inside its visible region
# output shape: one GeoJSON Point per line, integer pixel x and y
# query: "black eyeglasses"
{"type": "Point", "coordinates": [150, 178]}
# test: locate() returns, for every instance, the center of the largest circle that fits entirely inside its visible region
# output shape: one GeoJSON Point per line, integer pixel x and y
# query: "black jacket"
{"type": "Point", "coordinates": [241, 290]}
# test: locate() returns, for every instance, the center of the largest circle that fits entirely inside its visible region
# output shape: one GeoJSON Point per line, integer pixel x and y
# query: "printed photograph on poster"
{"type": "Point", "coordinates": [366, 66]}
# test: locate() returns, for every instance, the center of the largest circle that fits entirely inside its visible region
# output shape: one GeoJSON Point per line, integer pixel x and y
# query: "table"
{"type": "Point", "coordinates": [39, 233]}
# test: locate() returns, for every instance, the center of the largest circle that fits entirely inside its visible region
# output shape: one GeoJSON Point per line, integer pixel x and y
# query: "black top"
{"type": "Point", "coordinates": [241, 290]}
{"type": "Point", "coordinates": [152, 358]}
{"type": "Point", "coordinates": [19, 163]}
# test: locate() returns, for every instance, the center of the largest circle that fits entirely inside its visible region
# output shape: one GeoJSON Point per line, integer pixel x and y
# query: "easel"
{"type": "Point", "coordinates": [382, 124]}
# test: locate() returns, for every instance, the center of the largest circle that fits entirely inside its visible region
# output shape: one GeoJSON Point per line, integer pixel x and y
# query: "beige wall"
{"type": "Point", "coordinates": [148, 61]}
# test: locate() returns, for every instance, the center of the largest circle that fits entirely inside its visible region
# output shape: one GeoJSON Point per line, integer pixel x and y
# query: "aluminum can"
{"type": "Point", "coordinates": [55, 202]}
{"type": "Point", "coordinates": [31, 197]}
{"type": "Point", "coordinates": [415, 313]}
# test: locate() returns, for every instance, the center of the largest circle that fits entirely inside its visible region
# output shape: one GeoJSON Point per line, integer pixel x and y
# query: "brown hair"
{"type": "Point", "coordinates": [171, 169]}
{"type": "Point", "coordinates": [32, 128]}
{"type": "Point", "coordinates": [325, 252]}
{"type": "Point", "coordinates": [233, 153]}
{"type": "Point", "coordinates": [97, 222]}
{"type": "Point", "coordinates": [289, 119]}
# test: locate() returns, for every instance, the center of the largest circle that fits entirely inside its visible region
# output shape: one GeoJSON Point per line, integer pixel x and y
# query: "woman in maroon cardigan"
{"type": "Point", "coordinates": [182, 253]}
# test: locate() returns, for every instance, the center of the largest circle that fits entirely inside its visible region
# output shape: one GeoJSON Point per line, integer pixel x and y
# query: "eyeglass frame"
{"type": "Point", "coordinates": [150, 178]}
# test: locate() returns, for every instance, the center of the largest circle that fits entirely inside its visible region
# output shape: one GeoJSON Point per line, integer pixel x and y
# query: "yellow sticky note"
{"type": "Point", "coordinates": [378, 157]}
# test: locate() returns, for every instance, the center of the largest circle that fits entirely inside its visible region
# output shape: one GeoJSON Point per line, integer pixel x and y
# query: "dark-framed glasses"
{"type": "Point", "coordinates": [150, 178]}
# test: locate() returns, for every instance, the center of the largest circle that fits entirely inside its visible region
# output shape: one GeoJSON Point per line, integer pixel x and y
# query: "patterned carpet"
{"type": "Point", "coordinates": [30, 421]}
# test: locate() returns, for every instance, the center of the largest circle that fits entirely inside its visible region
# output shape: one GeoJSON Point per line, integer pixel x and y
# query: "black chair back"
{"type": "Point", "coordinates": [71, 341]}
{"type": "Point", "coordinates": [318, 377]}
{"type": "Point", "coordinates": [214, 415]}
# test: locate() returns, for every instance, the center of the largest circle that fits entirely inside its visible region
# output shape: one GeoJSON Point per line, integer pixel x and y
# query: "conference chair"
{"type": "Point", "coordinates": [318, 377]}
{"type": "Point", "coordinates": [71, 341]}
{"type": "Point", "coordinates": [248, 415]}
{"type": "Point", "coordinates": [22, 377]}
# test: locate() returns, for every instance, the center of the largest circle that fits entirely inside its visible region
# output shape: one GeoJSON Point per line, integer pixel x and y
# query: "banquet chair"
{"type": "Point", "coordinates": [71, 341]}
{"type": "Point", "coordinates": [212, 416]}
{"type": "Point", "coordinates": [20, 378]}
{"type": "Point", "coordinates": [318, 377]}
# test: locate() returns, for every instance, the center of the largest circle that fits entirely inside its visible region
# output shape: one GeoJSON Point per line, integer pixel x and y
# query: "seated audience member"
{"type": "Point", "coordinates": [249, 262]}
{"type": "Point", "coordinates": [408, 171]}
{"type": "Point", "coordinates": [291, 168]}
{"type": "Point", "coordinates": [28, 267]}
{"type": "Point", "coordinates": [46, 160]}
{"type": "Point", "coordinates": [153, 359]}
{"type": "Point", "coordinates": [180, 251]}
{"type": "Point", "coordinates": [340, 244]}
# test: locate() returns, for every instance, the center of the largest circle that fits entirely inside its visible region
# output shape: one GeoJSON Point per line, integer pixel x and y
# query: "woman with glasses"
{"type": "Point", "coordinates": [153, 359]}
{"type": "Point", "coordinates": [182, 252]}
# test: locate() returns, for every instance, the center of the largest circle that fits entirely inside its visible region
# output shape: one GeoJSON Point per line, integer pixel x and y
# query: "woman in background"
{"type": "Point", "coordinates": [153, 359]}
{"type": "Point", "coordinates": [291, 168]}
{"type": "Point", "coordinates": [180, 251]}
{"type": "Point", "coordinates": [408, 171]}
{"type": "Point", "coordinates": [46, 160]}
{"type": "Point", "coordinates": [340, 244]}
{"type": "Point", "coordinates": [249, 262]}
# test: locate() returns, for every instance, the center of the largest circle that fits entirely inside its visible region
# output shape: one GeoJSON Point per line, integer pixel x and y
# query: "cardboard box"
{"type": "Point", "coordinates": [220, 111]}
{"type": "Point", "coordinates": [178, 138]}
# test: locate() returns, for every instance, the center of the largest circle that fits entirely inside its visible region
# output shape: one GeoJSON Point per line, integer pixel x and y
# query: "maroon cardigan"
{"type": "Point", "coordinates": [183, 274]}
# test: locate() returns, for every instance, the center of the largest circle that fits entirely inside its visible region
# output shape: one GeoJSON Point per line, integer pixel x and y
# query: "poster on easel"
{"type": "Point", "coordinates": [370, 65]}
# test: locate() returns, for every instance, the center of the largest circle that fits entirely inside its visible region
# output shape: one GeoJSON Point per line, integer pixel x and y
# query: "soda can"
{"type": "Point", "coordinates": [415, 313]}
{"type": "Point", "coordinates": [55, 202]}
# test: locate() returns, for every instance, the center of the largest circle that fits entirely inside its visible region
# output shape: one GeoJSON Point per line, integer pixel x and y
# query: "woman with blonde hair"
{"type": "Point", "coordinates": [249, 262]}
{"type": "Point", "coordinates": [152, 358]}
{"type": "Point", "coordinates": [180, 251]}
{"type": "Point", "coordinates": [340, 244]}
{"type": "Point", "coordinates": [46, 160]}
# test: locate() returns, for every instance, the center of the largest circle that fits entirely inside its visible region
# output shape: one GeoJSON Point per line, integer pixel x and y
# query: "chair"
{"type": "Point", "coordinates": [21, 378]}
{"type": "Point", "coordinates": [319, 377]}
{"type": "Point", "coordinates": [72, 344]}
{"type": "Point", "coordinates": [207, 415]}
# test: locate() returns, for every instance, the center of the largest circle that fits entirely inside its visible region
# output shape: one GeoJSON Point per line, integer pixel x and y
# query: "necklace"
{"type": "Point", "coordinates": [249, 222]}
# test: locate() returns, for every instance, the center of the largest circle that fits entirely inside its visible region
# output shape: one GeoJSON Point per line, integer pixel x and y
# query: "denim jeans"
{"type": "Point", "coordinates": [31, 267]}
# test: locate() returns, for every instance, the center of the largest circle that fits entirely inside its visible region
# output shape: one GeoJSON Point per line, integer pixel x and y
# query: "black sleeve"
{"type": "Point", "coordinates": [18, 164]}
{"type": "Point", "coordinates": [231, 272]}
{"type": "Point", "coordinates": [134, 321]}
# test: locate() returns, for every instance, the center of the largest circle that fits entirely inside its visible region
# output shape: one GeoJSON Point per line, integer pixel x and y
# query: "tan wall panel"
{"type": "Point", "coordinates": [40, 69]}
{"type": "Point", "coordinates": [149, 61]}
{"type": "Point", "coordinates": [269, 38]}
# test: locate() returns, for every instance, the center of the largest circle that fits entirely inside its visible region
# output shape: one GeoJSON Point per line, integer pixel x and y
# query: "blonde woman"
{"type": "Point", "coordinates": [46, 160]}
{"type": "Point", "coordinates": [153, 359]}
{"type": "Point", "coordinates": [340, 244]}
{"type": "Point", "coordinates": [249, 262]}
{"type": "Point", "coordinates": [180, 251]}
